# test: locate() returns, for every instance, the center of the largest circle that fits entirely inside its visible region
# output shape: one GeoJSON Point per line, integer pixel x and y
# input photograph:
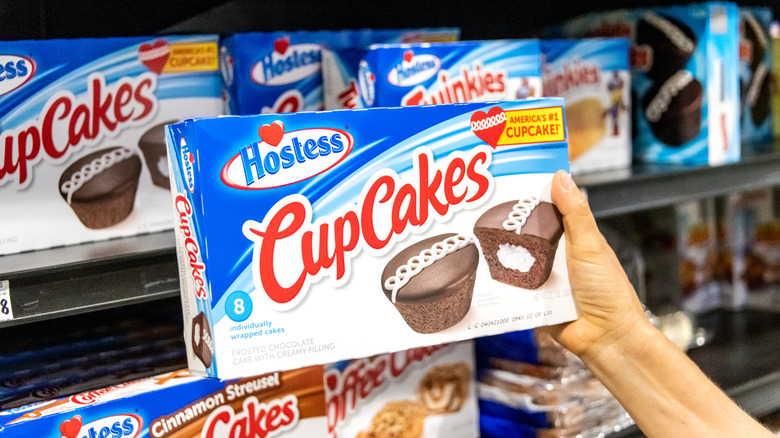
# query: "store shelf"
{"type": "Point", "coordinates": [644, 187]}
{"type": "Point", "coordinates": [742, 358]}
{"type": "Point", "coordinates": [93, 276]}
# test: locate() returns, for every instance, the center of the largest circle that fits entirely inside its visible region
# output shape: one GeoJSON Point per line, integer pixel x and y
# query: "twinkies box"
{"type": "Point", "coordinates": [685, 78]}
{"type": "Point", "coordinates": [386, 75]}
{"type": "Point", "coordinates": [281, 72]}
{"type": "Point", "coordinates": [310, 238]}
{"type": "Point", "coordinates": [179, 405]}
{"type": "Point", "coordinates": [83, 152]}
{"type": "Point", "coordinates": [594, 78]}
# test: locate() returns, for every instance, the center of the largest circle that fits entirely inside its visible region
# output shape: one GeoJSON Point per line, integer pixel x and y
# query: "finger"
{"type": "Point", "coordinates": [578, 221]}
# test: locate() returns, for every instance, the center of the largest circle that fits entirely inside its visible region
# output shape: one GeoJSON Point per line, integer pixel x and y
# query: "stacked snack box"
{"type": "Point", "coordinates": [424, 392]}
{"type": "Point", "coordinates": [756, 66]}
{"type": "Point", "coordinates": [529, 386]}
{"type": "Point", "coordinates": [685, 78]}
{"type": "Point", "coordinates": [280, 72]}
{"type": "Point", "coordinates": [423, 74]}
{"type": "Point", "coordinates": [429, 224]}
{"type": "Point", "coordinates": [774, 31]}
{"type": "Point", "coordinates": [754, 236]}
{"type": "Point", "coordinates": [705, 261]}
{"type": "Point", "coordinates": [421, 393]}
{"type": "Point", "coordinates": [593, 77]}
{"type": "Point", "coordinates": [82, 128]}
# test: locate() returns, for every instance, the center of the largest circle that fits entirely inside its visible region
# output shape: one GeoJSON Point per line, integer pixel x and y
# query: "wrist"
{"type": "Point", "coordinates": [634, 331]}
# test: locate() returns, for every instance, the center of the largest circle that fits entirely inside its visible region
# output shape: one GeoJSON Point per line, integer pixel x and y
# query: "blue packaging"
{"type": "Point", "coordinates": [420, 74]}
{"type": "Point", "coordinates": [685, 79]}
{"type": "Point", "coordinates": [593, 76]}
{"type": "Point", "coordinates": [756, 64]}
{"type": "Point", "coordinates": [81, 122]}
{"type": "Point", "coordinates": [364, 190]}
{"type": "Point", "coordinates": [280, 72]}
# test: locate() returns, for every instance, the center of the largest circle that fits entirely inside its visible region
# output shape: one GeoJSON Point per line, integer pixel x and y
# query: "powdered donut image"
{"type": "Point", "coordinates": [673, 108]}
{"type": "Point", "coordinates": [445, 388]}
{"type": "Point", "coordinates": [152, 145]}
{"type": "Point", "coordinates": [100, 187]}
{"type": "Point", "coordinates": [519, 240]}
{"type": "Point", "coordinates": [397, 419]}
{"type": "Point", "coordinates": [431, 282]}
{"type": "Point", "coordinates": [586, 123]}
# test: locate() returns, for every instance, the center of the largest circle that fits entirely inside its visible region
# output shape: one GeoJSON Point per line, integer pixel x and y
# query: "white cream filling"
{"type": "Point", "coordinates": [515, 257]}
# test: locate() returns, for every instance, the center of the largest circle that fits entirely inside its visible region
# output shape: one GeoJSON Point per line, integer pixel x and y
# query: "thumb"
{"type": "Point", "coordinates": [578, 221]}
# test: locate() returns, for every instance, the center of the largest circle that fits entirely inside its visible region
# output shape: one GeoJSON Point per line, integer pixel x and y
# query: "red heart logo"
{"type": "Point", "coordinates": [154, 56]}
{"type": "Point", "coordinates": [192, 157]}
{"type": "Point", "coordinates": [408, 55]}
{"type": "Point", "coordinates": [490, 126]}
{"type": "Point", "coordinates": [72, 427]}
{"type": "Point", "coordinates": [282, 44]}
{"type": "Point", "coordinates": [273, 133]}
{"type": "Point", "coordinates": [371, 77]}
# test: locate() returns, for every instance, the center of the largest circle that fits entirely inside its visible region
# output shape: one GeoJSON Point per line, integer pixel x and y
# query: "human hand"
{"type": "Point", "coordinates": [606, 302]}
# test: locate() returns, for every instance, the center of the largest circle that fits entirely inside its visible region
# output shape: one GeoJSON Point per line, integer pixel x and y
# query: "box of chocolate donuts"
{"type": "Point", "coordinates": [83, 155]}
{"type": "Point", "coordinates": [756, 65]}
{"type": "Point", "coordinates": [685, 78]}
{"type": "Point", "coordinates": [310, 238]}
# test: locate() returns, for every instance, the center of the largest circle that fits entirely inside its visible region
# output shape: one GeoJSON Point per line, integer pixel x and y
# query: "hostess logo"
{"type": "Point", "coordinates": [287, 64]}
{"type": "Point", "coordinates": [114, 426]}
{"type": "Point", "coordinates": [283, 158]}
{"type": "Point", "coordinates": [414, 69]}
{"type": "Point", "coordinates": [15, 71]}
{"type": "Point", "coordinates": [187, 161]}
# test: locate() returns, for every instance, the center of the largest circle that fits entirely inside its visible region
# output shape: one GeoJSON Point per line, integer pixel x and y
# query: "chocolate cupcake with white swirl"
{"type": "Point", "coordinates": [100, 187]}
{"type": "Point", "coordinates": [432, 281]}
{"type": "Point", "coordinates": [673, 109]}
{"type": "Point", "coordinates": [519, 240]}
{"type": "Point", "coordinates": [672, 43]}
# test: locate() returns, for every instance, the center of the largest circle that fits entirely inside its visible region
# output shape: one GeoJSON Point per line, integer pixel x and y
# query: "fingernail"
{"type": "Point", "coordinates": [566, 182]}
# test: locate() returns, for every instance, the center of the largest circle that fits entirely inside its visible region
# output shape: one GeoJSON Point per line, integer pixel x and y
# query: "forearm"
{"type": "Point", "coordinates": [663, 390]}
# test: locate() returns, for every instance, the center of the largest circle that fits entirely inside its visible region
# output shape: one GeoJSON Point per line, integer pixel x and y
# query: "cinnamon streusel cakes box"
{"type": "Point", "coordinates": [83, 152]}
{"type": "Point", "coordinates": [310, 238]}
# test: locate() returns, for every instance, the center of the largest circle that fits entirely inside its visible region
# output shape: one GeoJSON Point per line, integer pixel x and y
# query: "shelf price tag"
{"type": "Point", "coordinates": [6, 312]}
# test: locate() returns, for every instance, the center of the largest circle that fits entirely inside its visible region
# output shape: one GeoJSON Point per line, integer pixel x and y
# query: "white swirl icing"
{"type": "Point", "coordinates": [93, 168]}
{"type": "Point", "coordinates": [427, 257]}
{"type": "Point", "coordinates": [675, 35]}
{"type": "Point", "coordinates": [519, 214]}
{"type": "Point", "coordinates": [753, 23]}
{"type": "Point", "coordinates": [755, 84]}
{"type": "Point", "coordinates": [668, 91]}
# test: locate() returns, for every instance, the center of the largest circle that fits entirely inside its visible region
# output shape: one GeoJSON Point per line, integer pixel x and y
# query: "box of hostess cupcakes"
{"type": "Point", "coordinates": [311, 238]}
{"type": "Point", "coordinates": [81, 124]}
{"type": "Point", "coordinates": [685, 78]}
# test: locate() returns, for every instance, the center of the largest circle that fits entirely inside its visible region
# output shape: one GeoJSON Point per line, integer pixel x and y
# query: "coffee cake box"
{"type": "Point", "coordinates": [594, 78]}
{"type": "Point", "coordinates": [685, 78]}
{"type": "Point", "coordinates": [386, 75]}
{"type": "Point", "coordinates": [424, 392]}
{"type": "Point", "coordinates": [83, 155]}
{"type": "Point", "coordinates": [310, 238]}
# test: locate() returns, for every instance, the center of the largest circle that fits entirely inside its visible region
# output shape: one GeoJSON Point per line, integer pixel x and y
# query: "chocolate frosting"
{"type": "Point", "coordinates": [544, 221]}
{"type": "Point", "coordinates": [104, 183]}
{"type": "Point", "coordinates": [155, 135]}
{"type": "Point", "coordinates": [433, 282]}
